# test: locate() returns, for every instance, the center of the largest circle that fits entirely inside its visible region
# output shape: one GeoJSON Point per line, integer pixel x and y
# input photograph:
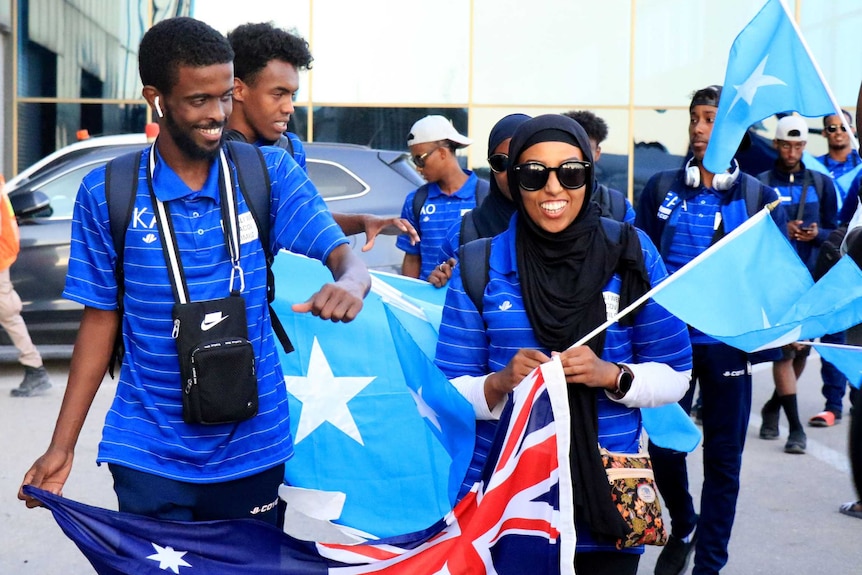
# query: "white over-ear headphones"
{"type": "Point", "coordinates": [719, 181]}
{"type": "Point", "coordinates": [158, 108]}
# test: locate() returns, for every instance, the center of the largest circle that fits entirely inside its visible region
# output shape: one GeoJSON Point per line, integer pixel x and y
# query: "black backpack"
{"type": "Point", "coordinates": [613, 205]}
{"type": "Point", "coordinates": [121, 185]}
{"type": "Point", "coordinates": [474, 266]}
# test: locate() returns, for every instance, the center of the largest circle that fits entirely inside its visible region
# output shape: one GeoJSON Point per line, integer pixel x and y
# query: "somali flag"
{"type": "Point", "coordinates": [769, 71]}
{"type": "Point", "coordinates": [760, 295]}
{"type": "Point", "coordinates": [382, 439]}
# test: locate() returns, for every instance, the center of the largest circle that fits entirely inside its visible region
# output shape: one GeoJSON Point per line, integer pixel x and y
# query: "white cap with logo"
{"type": "Point", "coordinates": [792, 129]}
{"type": "Point", "coordinates": [435, 129]}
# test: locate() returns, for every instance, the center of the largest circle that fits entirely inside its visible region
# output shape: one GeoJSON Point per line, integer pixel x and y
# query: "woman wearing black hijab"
{"type": "Point", "coordinates": [493, 215]}
{"type": "Point", "coordinates": [555, 275]}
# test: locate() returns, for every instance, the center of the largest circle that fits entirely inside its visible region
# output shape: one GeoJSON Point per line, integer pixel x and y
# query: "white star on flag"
{"type": "Point", "coordinates": [424, 409]}
{"type": "Point", "coordinates": [168, 558]}
{"type": "Point", "coordinates": [748, 89]}
{"type": "Point", "coordinates": [324, 397]}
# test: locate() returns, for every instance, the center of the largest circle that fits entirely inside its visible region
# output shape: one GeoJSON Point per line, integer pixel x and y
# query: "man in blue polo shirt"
{"type": "Point", "coordinates": [684, 212]}
{"type": "Point", "coordinates": [449, 194]}
{"type": "Point", "coordinates": [164, 467]}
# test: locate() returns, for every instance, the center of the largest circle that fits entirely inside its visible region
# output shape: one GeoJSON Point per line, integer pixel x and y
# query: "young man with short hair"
{"type": "Point", "coordinates": [163, 466]}
{"type": "Point", "coordinates": [810, 204]}
{"type": "Point", "coordinates": [672, 210]}
{"type": "Point", "coordinates": [449, 193]}
{"type": "Point", "coordinates": [267, 62]}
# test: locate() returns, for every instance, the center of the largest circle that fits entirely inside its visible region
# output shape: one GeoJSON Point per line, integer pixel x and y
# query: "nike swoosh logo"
{"type": "Point", "coordinates": [211, 320]}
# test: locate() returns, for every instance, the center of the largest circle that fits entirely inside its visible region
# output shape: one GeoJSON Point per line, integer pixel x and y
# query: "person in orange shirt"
{"type": "Point", "coordinates": [36, 380]}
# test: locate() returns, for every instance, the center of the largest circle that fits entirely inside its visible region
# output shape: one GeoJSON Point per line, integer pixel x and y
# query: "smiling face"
{"type": "Point", "coordinates": [196, 110]}
{"type": "Point", "coordinates": [553, 208]}
{"type": "Point", "coordinates": [267, 100]}
{"type": "Point", "coordinates": [838, 140]}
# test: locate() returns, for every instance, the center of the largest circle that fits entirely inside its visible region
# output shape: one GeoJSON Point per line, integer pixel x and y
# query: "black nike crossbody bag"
{"type": "Point", "coordinates": [217, 362]}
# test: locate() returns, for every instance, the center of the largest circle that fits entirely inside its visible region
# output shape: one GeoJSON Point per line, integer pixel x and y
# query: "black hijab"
{"type": "Point", "coordinates": [493, 215]}
{"type": "Point", "coordinates": [562, 276]}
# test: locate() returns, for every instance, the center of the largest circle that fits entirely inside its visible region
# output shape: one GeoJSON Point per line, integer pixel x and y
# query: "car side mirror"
{"type": "Point", "coordinates": [30, 204]}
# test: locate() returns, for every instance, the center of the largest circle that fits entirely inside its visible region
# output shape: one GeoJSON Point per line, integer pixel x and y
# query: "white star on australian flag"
{"type": "Point", "coordinates": [168, 558]}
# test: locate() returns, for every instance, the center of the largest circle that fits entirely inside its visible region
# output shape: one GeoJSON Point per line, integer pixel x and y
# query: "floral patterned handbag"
{"type": "Point", "coordinates": [634, 492]}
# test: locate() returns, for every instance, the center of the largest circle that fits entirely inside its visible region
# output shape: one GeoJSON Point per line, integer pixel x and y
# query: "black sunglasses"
{"type": "Point", "coordinates": [832, 128]}
{"type": "Point", "coordinates": [419, 161]}
{"type": "Point", "coordinates": [498, 163]}
{"type": "Point", "coordinates": [572, 174]}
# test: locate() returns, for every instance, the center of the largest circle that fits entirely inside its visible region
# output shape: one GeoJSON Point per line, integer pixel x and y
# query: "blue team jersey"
{"type": "Point", "coordinates": [144, 428]}
{"type": "Point", "coordinates": [439, 212]}
{"type": "Point", "coordinates": [474, 344]}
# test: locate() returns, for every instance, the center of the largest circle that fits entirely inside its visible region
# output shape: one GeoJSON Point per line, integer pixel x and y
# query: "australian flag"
{"type": "Point", "coordinates": [518, 519]}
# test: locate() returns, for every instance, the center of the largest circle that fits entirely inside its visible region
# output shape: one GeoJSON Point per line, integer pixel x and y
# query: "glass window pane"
{"type": "Point", "coordinates": [558, 52]}
{"type": "Point", "coordinates": [383, 51]}
{"type": "Point", "coordinates": [830, 28]}
{"type": "Point", "coordinates": [57, 46]}
{"type": "Point", "coordinates": [681, 46]}
{"type": "Point", "coordinates": [384, 128]}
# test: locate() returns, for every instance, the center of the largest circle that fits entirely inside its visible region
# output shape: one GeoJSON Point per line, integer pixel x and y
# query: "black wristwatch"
{"type": "Point", "coordinates": [624, 380]}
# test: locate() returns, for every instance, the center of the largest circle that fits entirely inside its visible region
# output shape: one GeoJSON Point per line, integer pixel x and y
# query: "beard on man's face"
{"type": "Point", "coordinates": [184, 141]}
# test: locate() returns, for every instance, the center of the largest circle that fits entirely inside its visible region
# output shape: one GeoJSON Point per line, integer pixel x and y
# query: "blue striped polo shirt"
{"type": "Point", "coordinates": [474, 344]}
{"type": "Point", "coordinates": [438, 213]}
{"type": "Point", "coordinates": [144, 428]}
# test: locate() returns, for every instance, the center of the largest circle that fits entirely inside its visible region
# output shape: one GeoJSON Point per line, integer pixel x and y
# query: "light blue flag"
{"type": "Point", "coordinates": [760, 294]}
{"type": "Point", "coordinates": [768, 71]}
{"type": "Point", "coordinates": [751, 278]}
{"type": "Point", "coordinates": [848, 360]}
{"type": "Point", "coordinates": [375, 424]}
{"type": "Point", "coordinates": [813, 163]}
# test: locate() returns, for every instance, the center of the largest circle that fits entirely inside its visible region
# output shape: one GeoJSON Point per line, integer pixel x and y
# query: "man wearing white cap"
{"type": "Point", "coordinates": [450, 192]}
{"type": "Point", "coordinates": [809, 200]}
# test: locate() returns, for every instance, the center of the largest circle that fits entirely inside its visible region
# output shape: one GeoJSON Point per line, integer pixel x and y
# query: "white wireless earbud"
{"type": "Point", "coordinates": [158, 108]}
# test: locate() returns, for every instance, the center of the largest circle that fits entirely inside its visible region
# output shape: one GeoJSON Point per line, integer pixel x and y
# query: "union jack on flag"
{"type": "Point", "coordinates": [518, 519]}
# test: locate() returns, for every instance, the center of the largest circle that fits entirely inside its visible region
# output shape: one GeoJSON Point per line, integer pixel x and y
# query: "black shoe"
{"type": "Point", "coordinates": [675, 556]}
{"type": "Point", "coordinates": [796, 443]}
{"type": "Point", "coordinates": [769, 427]}
{"type": "Point", "coordinates": [36, 382]}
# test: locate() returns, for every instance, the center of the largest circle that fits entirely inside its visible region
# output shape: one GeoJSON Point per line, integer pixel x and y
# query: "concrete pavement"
{"type": "Point", "coordinates": [787, 519]}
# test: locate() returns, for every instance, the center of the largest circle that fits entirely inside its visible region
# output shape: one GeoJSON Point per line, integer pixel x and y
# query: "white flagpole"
{"type": "Point", "coordinates": [854, 142]}
{"type": "Point", "coordinates": [748, 224]}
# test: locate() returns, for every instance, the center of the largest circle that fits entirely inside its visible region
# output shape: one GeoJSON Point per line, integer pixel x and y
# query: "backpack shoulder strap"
{"type": "Point", "coordinates": [474, 263]}
{"type": "Point", "coordinates": [618, 206]}
{"type": "Point", "coordinates": [751, 188]}
{"type": "Point", "coordinates": [256, 188]}
{"type": "Point", "coordinates": [284, 142]}
{"type": "Point", "coordinates": [613, 229]}
{"type": "Point", "coordinates": [468, 231]}
{"type": "Point", "coordinates": [121, 187]}
{"type": "Point", "coordinates": [483, 188]}
{"type": "Point", "coordinates": [419, 201]}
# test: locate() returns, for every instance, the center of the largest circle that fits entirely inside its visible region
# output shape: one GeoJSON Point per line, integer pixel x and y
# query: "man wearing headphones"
{"type": "Point", "coordinates": [672, 210]}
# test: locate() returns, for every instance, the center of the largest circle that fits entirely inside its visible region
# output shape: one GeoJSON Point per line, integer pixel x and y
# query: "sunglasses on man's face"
{"type": "Point", "coordinates": [498, 163]}
{"type": "Point", "coordinates": [572, 174]}
{"type": "Point", "coordinates": [419, 160]}
{"type": "Point", "coordinates": [832, 128]}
